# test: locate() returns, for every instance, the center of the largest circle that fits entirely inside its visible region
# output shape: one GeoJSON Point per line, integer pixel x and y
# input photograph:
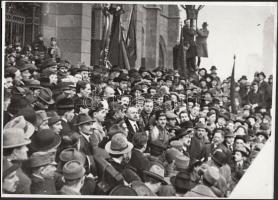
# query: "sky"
{"type": "Point", "coordinates": [235, 29]}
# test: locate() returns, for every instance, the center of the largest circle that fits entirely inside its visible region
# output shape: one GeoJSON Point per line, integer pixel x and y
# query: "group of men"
{"type": "Point", "coordinates": [87, 130]}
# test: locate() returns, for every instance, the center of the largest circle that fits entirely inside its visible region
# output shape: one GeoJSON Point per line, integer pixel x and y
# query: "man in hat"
{"type": "Point", "coordinates": [147, 114]}
{"type": "Point", "coordinates": [265, 89]}
{"type": "Point", "coordinates": [123, 84]}
{"type": "Point", "coordinates": [181, 183]}
{"type": "Point", "coordinates": [73, 173]}
{"type": "Point", "coordinates": [119, 148]}
{"type": "Point", "coordinates": [44, 99]}
{"type": "Point", "coordinates": [10, 179]}
{"type": "Point", "coordinates": [198, 149]}
{"type": "Point", "coordinates": [154, 177]}
{"type": "Point", "coordinates": [43, 169]}
{"type": "Point", "coordinates": [15, 150]}
{"type": "Point", "coordinates": [217, 143]}
{"type": "Point", "coordinates": [84, 124]}
{"type": "Point", "coordinates": [49, 64]}
{"type": "Point", "coordinates": [201, 42]}
{"type": "Point", "coordinates": [184, 136]}
{"type": "Point", "coordinates": [204, 189]}
{"type": "Point", "coordinates": [239, 164]}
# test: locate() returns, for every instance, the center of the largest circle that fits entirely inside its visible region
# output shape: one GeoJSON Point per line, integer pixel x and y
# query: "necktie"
{"type": "Point", "coordinates": [135, 127]}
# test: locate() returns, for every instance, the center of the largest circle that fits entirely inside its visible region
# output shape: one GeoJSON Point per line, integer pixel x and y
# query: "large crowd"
{"type": "Point", "coordinates": [88, 130]}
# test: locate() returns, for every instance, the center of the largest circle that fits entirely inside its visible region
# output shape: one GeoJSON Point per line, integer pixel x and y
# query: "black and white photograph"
{"type": "Point", "coordinates": [133, 99]}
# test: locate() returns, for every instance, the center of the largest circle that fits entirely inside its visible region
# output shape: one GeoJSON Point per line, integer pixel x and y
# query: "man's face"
{"type": "Point", "coordinates": [158, 73]}
{"type": "Point", "coordinates": [53, 79]}
{"type": "Point", "coordinates": [169, 83]}
{"type": "Point", "coordinates": [239, 143]}
{"type": "Point", "coordinates": [172, 121]}
{"type": "Point", "coordinates": [86, 128]}
{"type": "Point", "coordinates": [8, 83]}
{"type": "Point", "coordinates": [187, 140]}
{"type": "Point", "coordinates": [63, 70]}
{"type": "Point", "coordinates": [57, 127]}
{"type": "Point", "coordinates": [123, 85]}
{"type": "Point", "coordinates": [238, 156]}
{"type": "Point", "coordinates": [221, 121]}
{"type": "Point", "coordinates": [148, 107]}
{"type": "Point", "coordinates": [229, 140]}
{"type": "Point", "coordinates": [86, 91]}
{"type": "Point", "coordinates": [125, 100]}
{"type": "Point", "coordinates": [152, 92]}
{"type": "Point", "coordinates": [100, 115]}
{"type": "Point", "coordinates": [261, 139]}
{"type": "Point", "coordinates": [85, 75]}
{"type": "Point", "coordinates": [184, 117]}
{"type": "Point", "coordinates": [44, 125]}
{"type": "Point", "coordinates": [162, 121]}
{"type": "Point", "coordinates": [217, 138]}
{"type": "Point", "coordinates": [160, 100]}
{"type": "Point", "coordinates": [201, 132]}
{"type": "Point", "coordinates": [48, 171]}
{"type": "Point", "coordinates": [26, 75]}
{"type": "Point", "coordinates": [230, 126]}
{"type": "Point", "coordinates": [109, 92]}
{"type": "Point", "coordinates": [195, 111]}
{"type": "Point", "coordinates": [69, 115]}
{"type": "Point", "coordinates": [10, 182]}
{"type": "Point", "coordinates": [53, 68]}
{"type": "Point", "coordinates": [132, 113]}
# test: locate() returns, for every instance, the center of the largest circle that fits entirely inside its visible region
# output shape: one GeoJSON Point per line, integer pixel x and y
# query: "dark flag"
{"type": "Point", "coordinates": [115, 54]}
{"type": "Point", "coordinates": [131, 39]}
{"type": "Point", "coordinates": [232, 89]}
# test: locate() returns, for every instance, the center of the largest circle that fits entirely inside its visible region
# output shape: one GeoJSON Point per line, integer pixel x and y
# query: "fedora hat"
{"type": "Point", "coordinates": [65, 104]}
{"type": "Point", "coordinates": [14, 137]}
{"type": "Point", "coordinates": [38, 160]}
{"type": "Point", "coordinates": [44, 140]}
{"type": "Point", "coordinates": [34, 84]}
{"type": "Point", "coordinates": [122, 190]}
{"type": "Point", "coordinates": [182, 162]}
{"type": "Point", "coordinates": [263, 133]}
{"type": "Point", "coordinates": [181, 181]}
{"type": "Point", "coordinates": [141, 189]}
{"type": "Point", "coordinates": [242, 150]}
{"type": "Point", "coordinates": [72, 154]}
{"type": "Point", "coordinates": [20, 122]}
{"type": "Point", "coordinates": [41, 116]}
{"type": "Point", "coordinates": [118, 145]}
{"type": "Point", "coordinates": [73, 170]}
{"type": "Point", "coordinates": [156, 171]}
{"type": "Point", "coordinates": [53, 118]}
{"type": "Point", "coordinates": [45, 95]}
{"type": "Point", "coordinates": [219, 157]}
{"type": "Point", "coordinates": [211, 175]}
{"type": "Point", "coordinates": [83, 118]}
{"type": "Point", "coordinates": [83, 67]}
{"type": "Point", "coordinates": [180, 133]}
{"type": "Point", "coordinates": [48, 63]}
{"type": "Point", "coordinates": [9, 167]}
{"type": "Point", "coordinates": [229, 133]}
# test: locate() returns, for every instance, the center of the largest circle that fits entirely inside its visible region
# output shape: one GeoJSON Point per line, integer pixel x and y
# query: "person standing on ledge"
{"type": "Point", "coordinates": [201, 42]}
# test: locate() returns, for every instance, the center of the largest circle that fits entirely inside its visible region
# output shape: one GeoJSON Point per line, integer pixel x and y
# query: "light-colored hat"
{"type": "Point", "coordinates": [118, 145]}
{"type": "Point", "coordinates": [14, 137]}
{"type": "Point", "coordinates": [73, 170]}
{"type": "Point", "coordinates": [38, 160]}
{"type": "Point", "coordinates": [20, 122]}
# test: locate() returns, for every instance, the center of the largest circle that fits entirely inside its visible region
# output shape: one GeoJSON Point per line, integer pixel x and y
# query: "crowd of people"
{"type": "Point", "coordinates": [88, 130]}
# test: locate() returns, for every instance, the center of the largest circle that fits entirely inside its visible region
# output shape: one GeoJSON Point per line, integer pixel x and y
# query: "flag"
{"type": "Point", "coordinates": [131, 47]}
{"type": "Point", "coordinates": [232, 89]}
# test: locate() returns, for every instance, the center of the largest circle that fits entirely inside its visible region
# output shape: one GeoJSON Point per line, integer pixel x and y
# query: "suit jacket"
{"type": "Point", "coordinates": [85, 146]}
{"type": "Point", "coordinates": [131, 130]}
{"type": "Point", "coordinates": [197, 148]}
{"type": "Point", "coordinates": [66, 130]}
{"type": "Point", "coordinates": [148, 119]}
{"type": "Point", "coordinates": [139, 161]}
{"type": "Point", "coordinates": [42, 186]}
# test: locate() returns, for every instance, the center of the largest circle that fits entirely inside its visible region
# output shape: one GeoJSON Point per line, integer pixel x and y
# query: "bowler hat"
{"type": "Point", "coordinates": [187, 125]}
{"type": "Point", "coordinates": [73, 170]}
{"type": "Point", "coordinates": [242, 137]}
{"type": "Point", "coordinates": [242, 150]}
{"type": "Point", "coordinates": [156, 171]}
{"type": "Point", "coordinates": [48, 63]}
{"type": "Point", "coordinates": [263, 133]}
{"type": "Point", "coordinates": [122, 190]}
{"type": "Point", "coordinates": [72, 154]}
{"type": "Point", "coordinates": [40, 160]}
{"type": "Point", "coordinates": [83, 67]}
{"type": "Point", "coordinates": [44, 140]}
{"type": "Point", "coordinates": [118, 145]}
{"type": "Point", "coordinates": [45, 95]}
{"type": "Point", "coordinates": [157, 147]}
{"type": "Point", "coordinates": [262, 73]}
{"type": "Point", "coordinates": [83, 119]}
{"type": "Point", "coordinates": [53, 118]}
{"type": "Point", "coordinates": [9, 167]}
{"type": "Point", "coordinates": [20, 122]}
{"type": "Point", "coordinates": [65, 104]}
{"type": "Point", "coordinates": [219, 157]}
{"type": "Point", "coordinates": [205, 24]}
{"type": "Point", "coordinates": [180, 133]}
{"type": "Point", "coordinates": [14, 137]}
{"type": "Point", "coordinates": [211, 175]}
{"type": "Point", "coordinates": [182, 162]}
{"type": "Point", "coordinates": [181, 181]}
{"type": "Point", "coordinates": [141, 189]}
{"type": "Point", "coordinates": [213, 68]}
{"type": "Point", "coordinates": [229, 133]}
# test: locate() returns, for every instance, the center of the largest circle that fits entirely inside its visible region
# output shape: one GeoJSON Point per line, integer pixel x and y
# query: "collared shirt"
{"type": "Point", "coordinates": [87, 137]}
{"type": "Point", "coordinates": [134, 125]}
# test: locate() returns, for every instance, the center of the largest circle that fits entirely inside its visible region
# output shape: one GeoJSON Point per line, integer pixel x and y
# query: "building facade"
{"type": "Point", "coordinates": [78, 28]}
